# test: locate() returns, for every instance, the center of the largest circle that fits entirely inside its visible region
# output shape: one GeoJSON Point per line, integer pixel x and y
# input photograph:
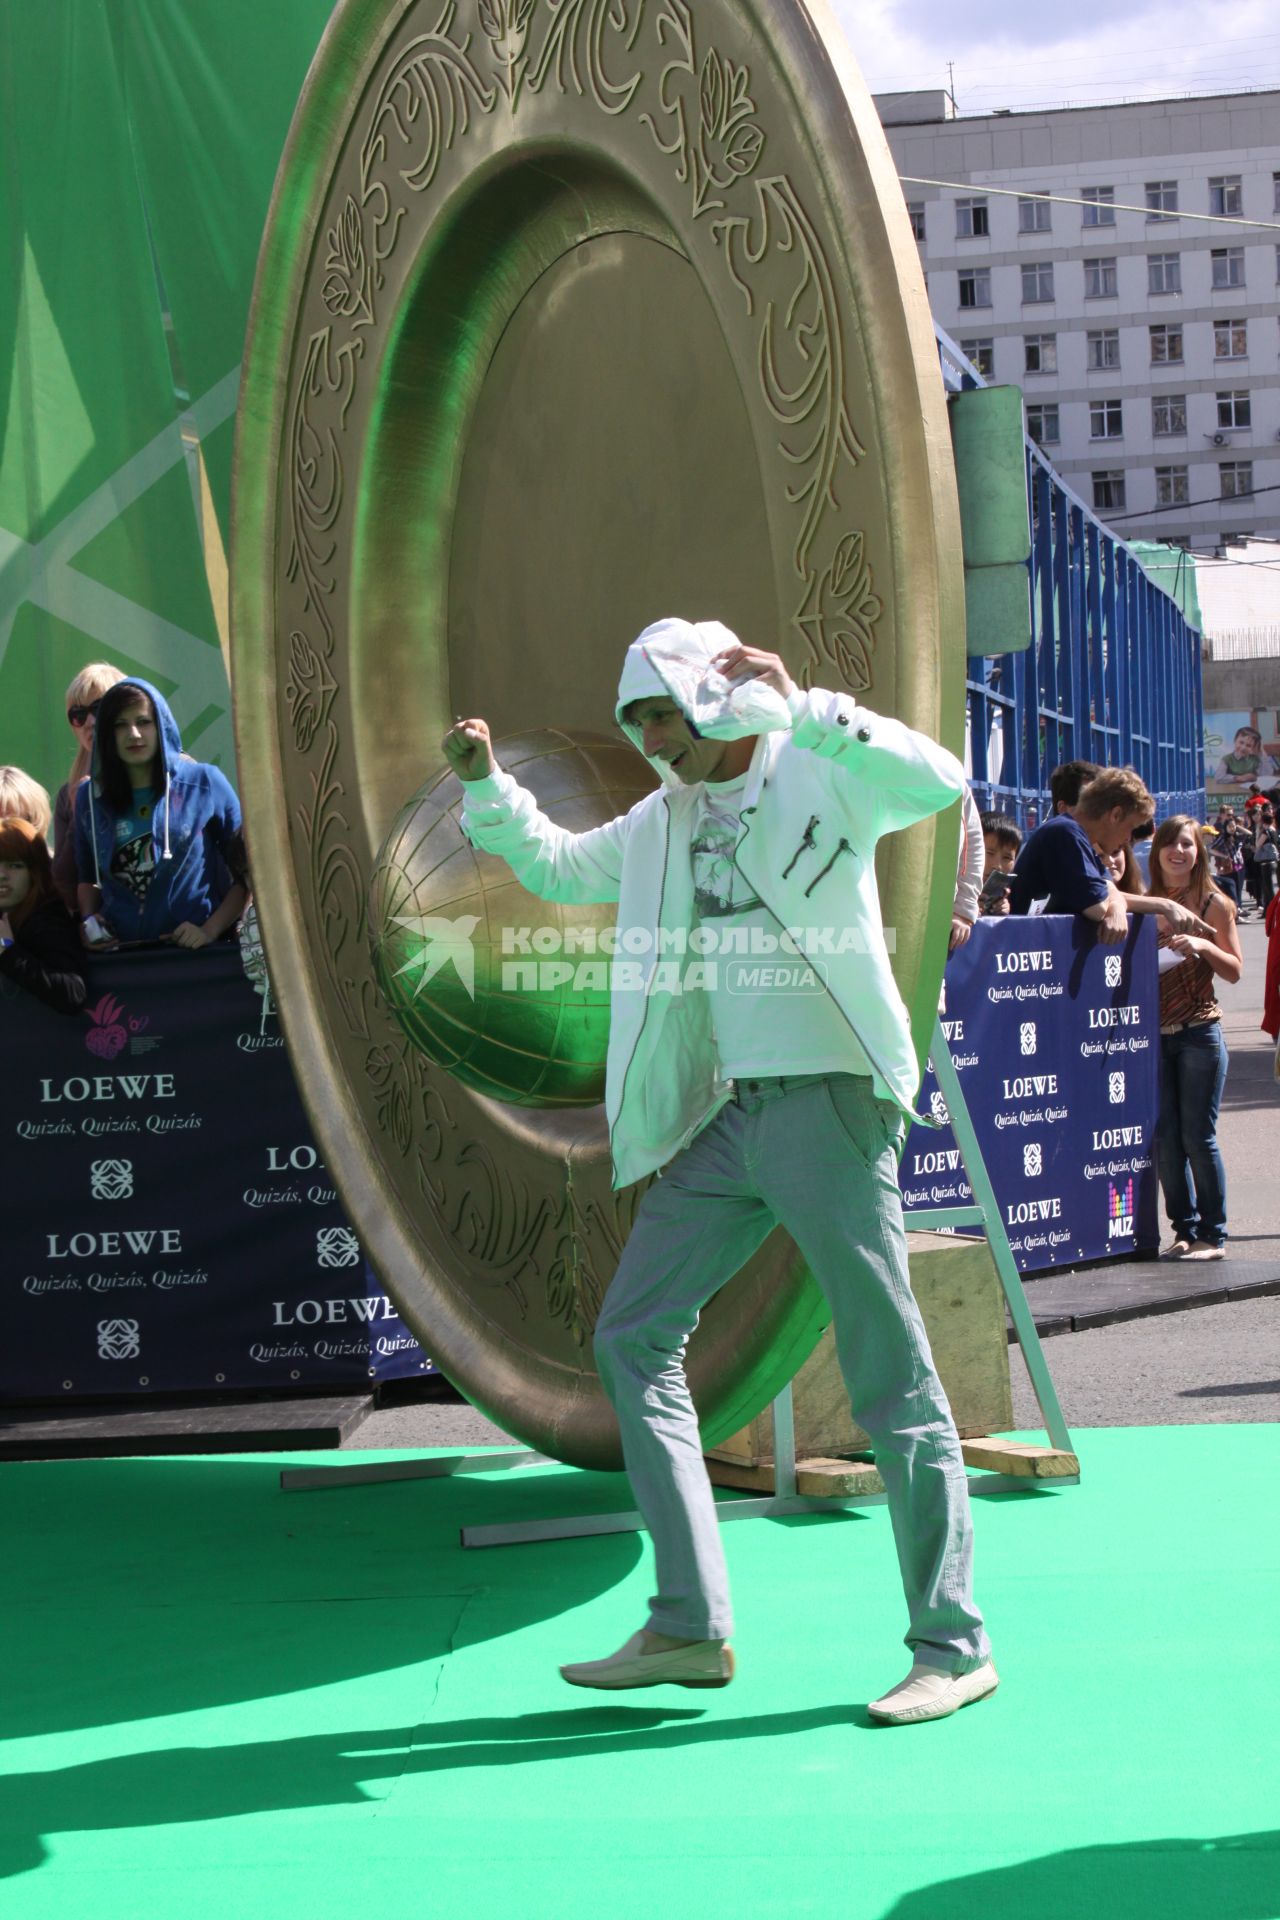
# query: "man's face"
{"type": "Point", "coordinates": [667, 737]}
{"type": "Point", "coordinates": [999, 859]}
{"type": "Point", "coordinates": [1115, 829]}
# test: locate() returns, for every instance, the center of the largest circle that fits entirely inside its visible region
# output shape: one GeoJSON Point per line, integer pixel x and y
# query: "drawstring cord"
{"type": "Point", "coordinates": [804, 846]}
{"type": "Point", "coordinates": [93, 837]}
{"type": "Point", "coordinates": [844, 847]}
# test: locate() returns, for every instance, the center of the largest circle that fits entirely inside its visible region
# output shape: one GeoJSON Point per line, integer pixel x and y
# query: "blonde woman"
{"type": "Point", "coordinates": [1193, 1054]}
{"type": "Point", "coordinates": [23, 798]}
{"type": "Point", "coordinates": [83, 696]}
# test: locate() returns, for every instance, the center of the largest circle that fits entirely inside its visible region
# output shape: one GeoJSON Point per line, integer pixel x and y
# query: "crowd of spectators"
{"type": "Point", "coordinates": [1245, 852]}
{"type": "Point", "coordinates": [1100, 855]}
{"type": "Point", "coordinates": [148, 847]}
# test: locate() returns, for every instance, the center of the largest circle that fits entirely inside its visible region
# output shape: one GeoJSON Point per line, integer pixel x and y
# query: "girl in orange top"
{"type": "Point", "coordinates": [1193, 1053]}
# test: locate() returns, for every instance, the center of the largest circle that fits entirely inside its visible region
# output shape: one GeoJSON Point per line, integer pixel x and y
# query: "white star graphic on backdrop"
{"type": "Point", "coordinates": [444, 940]}
{"type": "Point", "coordinates": [45, 573]}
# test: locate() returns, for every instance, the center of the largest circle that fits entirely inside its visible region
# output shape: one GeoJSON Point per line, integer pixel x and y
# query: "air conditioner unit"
{"type": "Point", "coordinates": [1219, 439]}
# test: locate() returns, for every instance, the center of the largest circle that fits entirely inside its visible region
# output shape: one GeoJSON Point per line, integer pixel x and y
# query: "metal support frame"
{"type": "Point", "coordinates": [784, 1501]}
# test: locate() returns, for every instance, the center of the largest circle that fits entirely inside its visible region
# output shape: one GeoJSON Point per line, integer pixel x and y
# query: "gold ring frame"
{"type": "Point", "coordinates": [569, 314]}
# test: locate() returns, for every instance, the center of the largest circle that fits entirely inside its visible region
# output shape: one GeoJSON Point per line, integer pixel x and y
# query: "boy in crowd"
{"type": "Point", "coordinates": [1001, 840]}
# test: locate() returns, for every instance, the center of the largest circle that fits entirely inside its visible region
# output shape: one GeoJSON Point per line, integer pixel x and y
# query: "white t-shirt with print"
{"type": "Point", "coordinates": [770, 1009]}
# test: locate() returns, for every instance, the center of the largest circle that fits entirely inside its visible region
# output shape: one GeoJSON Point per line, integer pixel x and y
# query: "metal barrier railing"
{"type": "Point", "coordinates": [1113, 674]}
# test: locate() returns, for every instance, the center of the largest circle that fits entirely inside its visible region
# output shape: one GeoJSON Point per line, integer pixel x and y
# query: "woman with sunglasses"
{"type": "Point", "coordinates": [83, 696]}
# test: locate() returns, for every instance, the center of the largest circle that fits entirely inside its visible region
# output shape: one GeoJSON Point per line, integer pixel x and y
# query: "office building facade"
{"type": "Point", "coordinates": [1063, 254]}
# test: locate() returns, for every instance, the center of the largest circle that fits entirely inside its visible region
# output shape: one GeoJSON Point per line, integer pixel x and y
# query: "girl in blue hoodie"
{"type": "Point", "coordinates": [152, 827]}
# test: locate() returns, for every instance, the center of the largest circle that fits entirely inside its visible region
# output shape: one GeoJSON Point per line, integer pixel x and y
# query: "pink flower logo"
{"type": "Point", "coordinates": [110, 1027]}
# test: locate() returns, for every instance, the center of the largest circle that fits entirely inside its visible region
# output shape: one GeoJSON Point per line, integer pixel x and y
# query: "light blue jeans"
{"type": "Point", "coordinates": [817, 1154]}
{"type": "Point", "coordinates": [1193, 1072]}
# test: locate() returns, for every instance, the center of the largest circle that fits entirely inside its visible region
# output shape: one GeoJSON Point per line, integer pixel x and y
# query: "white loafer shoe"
{"type": "Point", "coordinates": [701, 1663]}
{"type": "Point", "coordinates": [929, 1694]}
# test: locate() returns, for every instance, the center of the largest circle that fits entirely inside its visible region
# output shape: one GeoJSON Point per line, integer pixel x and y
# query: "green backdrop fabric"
{"type": "Point", "coordinates": [210, 89]}
{"type": "Point", "coordinates": [139, 146]}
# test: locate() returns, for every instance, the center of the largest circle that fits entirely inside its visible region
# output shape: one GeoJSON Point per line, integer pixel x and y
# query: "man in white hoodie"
{"type": "Point", "coordinates": [761, 840]}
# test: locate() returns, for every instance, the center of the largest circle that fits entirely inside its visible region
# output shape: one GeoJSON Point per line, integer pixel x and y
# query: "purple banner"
{"type": "Point", "coordinates": [1056, 1042]}
{"type": "Point", "coordinates": [174, 1226]}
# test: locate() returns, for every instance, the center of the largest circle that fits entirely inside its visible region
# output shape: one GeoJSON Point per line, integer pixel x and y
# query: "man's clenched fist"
{"type": "Point", "coordinates": [468, 749]}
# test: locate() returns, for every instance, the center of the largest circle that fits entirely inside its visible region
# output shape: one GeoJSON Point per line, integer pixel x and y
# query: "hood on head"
{"type": "Point", "coordinates": [167, 726]}
{"type": "Point", "coordinates": [672, 660]}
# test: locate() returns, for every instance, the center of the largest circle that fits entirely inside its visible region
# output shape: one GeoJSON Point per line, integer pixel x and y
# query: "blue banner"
{"type": "Point", "coordinates": [1056, 1043]}
{"type": "Point", "coordinates": [172, 1227]}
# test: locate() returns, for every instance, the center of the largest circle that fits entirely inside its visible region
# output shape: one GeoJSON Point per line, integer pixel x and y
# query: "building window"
{"type": "Point", "coordinates": [1226, 265]}
{"type": "Point", "coordinates": [1235, 479]}
{"type": "Point", "coordinates": [1033, 215]}
{"type": "Point", "coordinates": [1224, 194]}
{"type": "Point", "coordinates": [1099, 206]}
{"type": "Point", "coordinates": [1040, 352]}
{"type": "Point", "coordinates": [1275, 193]}
{"type": "Point", "coordinates": [1042, 424]}
{"type": "Point", "coordinates": [915, 209]}
{"type": "Point", "coordinates": [1037, 281]}
{"type": "Point", "coordinates": [971, 220]}
{"type": "Point", "coordinates": [1106, 419]}
{"type": "Point", "coordinates": [1162, 199]}
{"type": "Point", "coordinates": [1102, 349]}
{"type": "Point", "coordinates": [1166, 344]}
{"type": "Point", "coordinates": [975, 286]}
{"type": "Point", "coordinates": [1230, 339]}
{"type": "Point", "coordinates": [1172, 487]}
{"type": "Point", "coordinates": [1164, 273]}
{"type": "Point", "coordinates": [1168, 413]}
{"type": "Point", "coordinates": [1108, 491]}
{"type": "Point", "coordinates": [1234, 409]}
{"type": "Point", "coordinates": [983, 355]}
{"type": "Point", "coordinates": [1099, 279]}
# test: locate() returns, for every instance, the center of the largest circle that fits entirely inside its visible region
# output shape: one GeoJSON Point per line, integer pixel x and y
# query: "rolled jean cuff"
{"type": "Point", "coordinates": [952, 1663]}
{"type": "Point", "coordinates": [712, 1629]}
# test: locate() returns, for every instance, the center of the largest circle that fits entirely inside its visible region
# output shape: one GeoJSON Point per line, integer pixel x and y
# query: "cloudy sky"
{"type": "Point", "coordinates": [1009, 55]}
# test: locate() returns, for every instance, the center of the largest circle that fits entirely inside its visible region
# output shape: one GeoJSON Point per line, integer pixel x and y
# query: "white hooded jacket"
{"type": "Point", "coordinates": [827, 779]}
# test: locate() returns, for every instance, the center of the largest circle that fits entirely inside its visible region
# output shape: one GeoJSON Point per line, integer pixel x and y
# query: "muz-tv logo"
{"type": "Point", "coordinates": [1120, 1211]}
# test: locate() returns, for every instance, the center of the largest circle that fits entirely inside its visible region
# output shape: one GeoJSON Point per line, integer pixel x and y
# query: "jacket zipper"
{"type": "Point", "coordinates": [844, 847]}
{"type": "Point", "coordinates": [804, 846]}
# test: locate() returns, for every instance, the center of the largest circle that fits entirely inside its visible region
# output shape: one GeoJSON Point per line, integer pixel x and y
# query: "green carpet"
{"type": "Point", "coordinates": [226, 1703]}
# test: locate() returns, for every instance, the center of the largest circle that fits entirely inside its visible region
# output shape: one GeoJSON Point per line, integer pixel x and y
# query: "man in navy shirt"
{"type": "Point", "coordinates": [1061, 862]}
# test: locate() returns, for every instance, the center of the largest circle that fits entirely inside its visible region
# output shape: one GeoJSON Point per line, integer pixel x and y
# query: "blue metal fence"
{"type": "Point", "coordinates": [1113, 674]}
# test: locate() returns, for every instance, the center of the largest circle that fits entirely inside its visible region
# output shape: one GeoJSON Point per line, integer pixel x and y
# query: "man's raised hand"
{"type": "Point", "coordinates": [753, 663]}
{"type": "Point", "coordinates": [468, 749]}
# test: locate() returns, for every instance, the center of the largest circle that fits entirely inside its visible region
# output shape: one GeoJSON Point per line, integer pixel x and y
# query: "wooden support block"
{"type": "Point", "coordinates": [816, 1479]}
{"type": "Point", "coordinates": [837, 1478]}
{"type": "Point", "coordinates": [1019, 1457]}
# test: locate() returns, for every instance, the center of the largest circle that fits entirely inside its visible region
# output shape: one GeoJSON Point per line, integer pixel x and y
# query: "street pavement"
{"type": "Point", "coordinates": [1204, 1364]}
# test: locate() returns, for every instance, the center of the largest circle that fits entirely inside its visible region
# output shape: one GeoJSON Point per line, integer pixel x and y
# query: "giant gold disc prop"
{"type": "Point", "coordinates": [570, 314]}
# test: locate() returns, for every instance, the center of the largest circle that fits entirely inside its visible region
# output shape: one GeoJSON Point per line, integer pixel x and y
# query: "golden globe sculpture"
{"type": "Point", "coordinates": [508, 993]}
